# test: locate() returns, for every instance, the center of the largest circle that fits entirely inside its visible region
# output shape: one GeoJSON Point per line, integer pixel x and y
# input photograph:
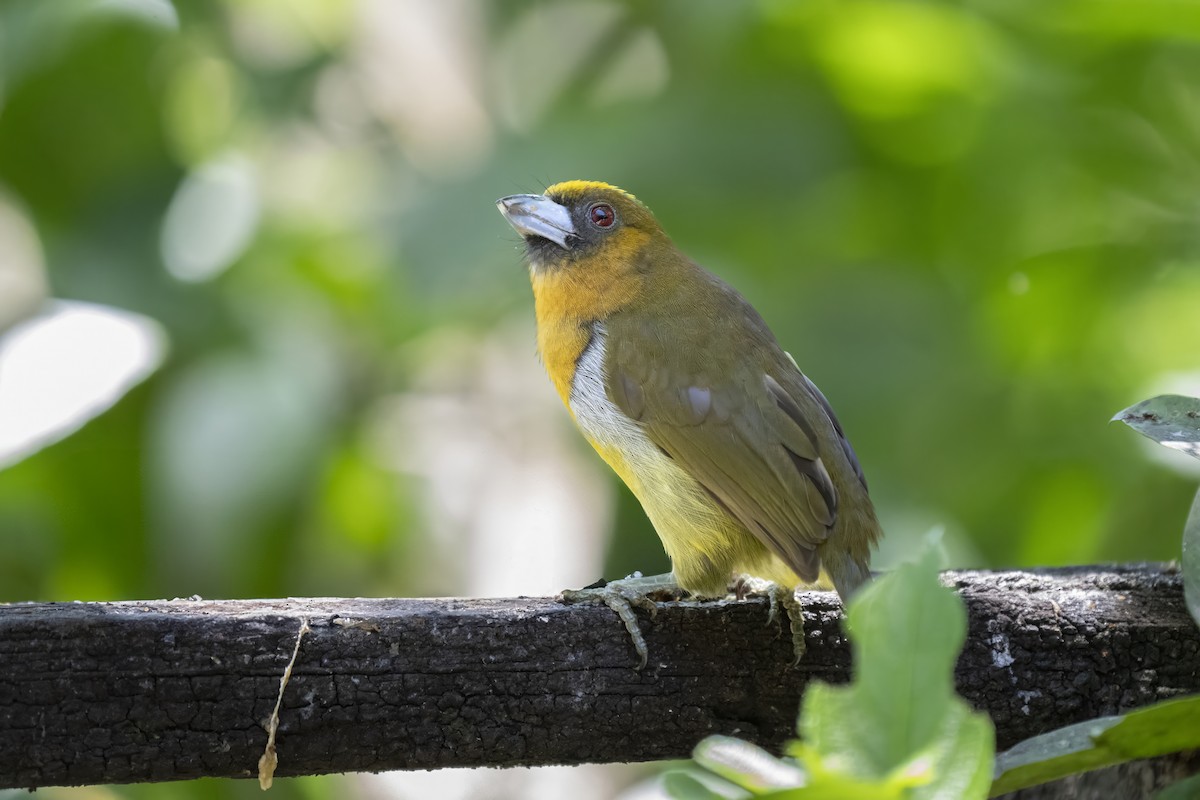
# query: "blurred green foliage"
{"type": "Point", "coordinates": [973, 224]}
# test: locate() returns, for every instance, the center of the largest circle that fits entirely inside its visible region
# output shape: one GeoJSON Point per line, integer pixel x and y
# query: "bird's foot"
{"type": "Point", "coordinates": [777, 595]}
{"type": "Point", "coordinates": [623, 596]}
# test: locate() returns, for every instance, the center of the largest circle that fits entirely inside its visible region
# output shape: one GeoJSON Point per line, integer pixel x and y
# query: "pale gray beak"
{"type": "Point", "coordinates": [537, 215]}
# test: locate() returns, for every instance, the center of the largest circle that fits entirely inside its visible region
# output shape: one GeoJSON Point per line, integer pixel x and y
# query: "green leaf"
{"type": "Point", "coordinates": [907, 630]}
{"type": "Point", "coordinates": [1052, 755]}
{"type": "Point", "coordinates": [1186, 789]}
{"type": "Point", "coordinates": [680, 785]}
{"type": "Point", "coordinates": [1172, 420]}
{"type": "Point", "coordinates": [957, 765]}
{"type": "Point", "coordinates": [746, 765]}
{"type": "Point", "coordinates": [898, 731]}
{"type": "Point", "coordinates": [898, 727]}
{"type": "Point", "coordinates": [962, 760]}
{"type": "Point", "coordinates": [1156, 730]}
{"type": "Point", "coordinates": [1191, 560]}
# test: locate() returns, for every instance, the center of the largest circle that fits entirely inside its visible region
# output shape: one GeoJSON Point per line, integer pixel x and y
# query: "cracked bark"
{"type": "Point", "coordinates": [169, 690]}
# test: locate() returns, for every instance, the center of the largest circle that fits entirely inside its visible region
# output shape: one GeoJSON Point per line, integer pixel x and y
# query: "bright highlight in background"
{"type": "Point", "coordinates": [66, 366]}
{"type": "Point", "coordinates": [211, 220]}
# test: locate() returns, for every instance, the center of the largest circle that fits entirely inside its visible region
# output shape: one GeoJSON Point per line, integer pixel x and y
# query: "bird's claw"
{"type": "Point", "coordinates": [622, 605]}
{"type": "Point", "coordinates": [778, 595]}
{"type": "Point", "coordinates": [622, 597]}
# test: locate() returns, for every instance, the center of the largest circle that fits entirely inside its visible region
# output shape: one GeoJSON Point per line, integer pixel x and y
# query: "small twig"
{"type": "Point", "coordinates": [270, 758]}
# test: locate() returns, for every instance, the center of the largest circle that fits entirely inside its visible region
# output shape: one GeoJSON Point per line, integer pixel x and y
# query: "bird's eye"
{"type": "Point", "coordinates": [602, 215]}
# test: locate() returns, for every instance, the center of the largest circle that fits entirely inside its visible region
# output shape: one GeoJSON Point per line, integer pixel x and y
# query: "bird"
{"type": "Point", "coordinates": [677, 382]}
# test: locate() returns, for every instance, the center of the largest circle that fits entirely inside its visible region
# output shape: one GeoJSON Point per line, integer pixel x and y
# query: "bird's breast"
{"type": "Point", "coordinates": [617, 438]}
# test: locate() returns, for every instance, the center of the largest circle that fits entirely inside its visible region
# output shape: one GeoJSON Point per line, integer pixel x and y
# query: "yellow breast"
{"type": "Point", "coordinates": [570, 307]}
{"type": "Point", "coordinates": [568, 301]}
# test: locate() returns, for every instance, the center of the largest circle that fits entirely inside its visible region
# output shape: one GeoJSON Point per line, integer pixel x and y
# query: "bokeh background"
{"type": "Point", "coordinates": [263, 333]}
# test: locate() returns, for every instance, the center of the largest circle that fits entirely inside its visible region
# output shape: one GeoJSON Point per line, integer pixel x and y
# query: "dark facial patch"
{"type": "Point", "coordinates": [589, 235]}
{"type": "Point", "coordinates": [539, 250]}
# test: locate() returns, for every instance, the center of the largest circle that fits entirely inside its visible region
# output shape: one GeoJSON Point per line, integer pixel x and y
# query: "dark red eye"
{"type": "Point", "coordinates": [602, 215]}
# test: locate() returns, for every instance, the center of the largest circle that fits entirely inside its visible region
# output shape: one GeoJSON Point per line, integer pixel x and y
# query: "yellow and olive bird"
{"type": "Point", "coordinates": [676, 381]}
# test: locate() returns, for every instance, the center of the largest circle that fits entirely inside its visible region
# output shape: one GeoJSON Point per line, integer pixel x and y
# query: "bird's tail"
{"type": "Point", "coordinates": [848, 577]}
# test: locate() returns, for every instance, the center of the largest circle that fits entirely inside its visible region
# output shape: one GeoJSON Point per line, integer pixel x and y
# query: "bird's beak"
{"type": "Point", "coordinates": [537, 215]}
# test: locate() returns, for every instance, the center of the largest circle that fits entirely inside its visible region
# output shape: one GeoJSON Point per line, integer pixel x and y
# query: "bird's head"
{"type": "Point", "coordinates": [581, 223]}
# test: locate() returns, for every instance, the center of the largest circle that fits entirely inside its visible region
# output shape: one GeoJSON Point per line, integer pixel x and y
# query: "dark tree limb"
{"type": "Point", "coordinates": [167, 690]}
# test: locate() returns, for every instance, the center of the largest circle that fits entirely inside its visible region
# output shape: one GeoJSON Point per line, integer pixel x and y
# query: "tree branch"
{"type": "Point", "coordinates": [167, 690]}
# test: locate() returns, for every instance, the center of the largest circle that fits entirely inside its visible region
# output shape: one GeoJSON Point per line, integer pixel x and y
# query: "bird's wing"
{"type": "Point", "coordinates": [751, 439]}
